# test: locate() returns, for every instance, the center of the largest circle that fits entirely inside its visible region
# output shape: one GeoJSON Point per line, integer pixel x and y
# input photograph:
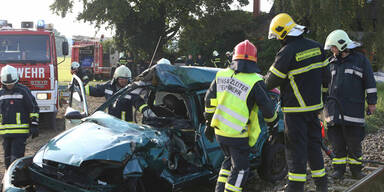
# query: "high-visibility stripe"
{"type": "Point", "coordinates": [307, 68]}
{"type": "Point", "coordinates": [232, 113]}
{"type": "Point", "coordinates": [18, 121]}
{"type": "Point", "coordinates": [230, 187]}
{"type": "Point", "coordinates": [239, 179]}
{"type": "Point", "coordinates": [222, 179]}
{"type": "Point", "coordinates": [224, 172]}
{"type": "Point", "coordinates": [296, 91]}
{"type": "Point", "coordinates": [227, 122]}
{"type": "Point", "coordinates": [297, 177]}
{"type": "Point", "coordinates": [15, 96]}
{"type": "Point", "coordinates": [324, 90]}
{"type": "Point", "coordinates": [123, 115]}
{"type": "Point", "coordinates": [86, 89]}
{"type": "Point", "coordinates": [308, 54]}
{"type": "Point", "coordinates": [10, 126]}
{"type": "Point", "coordinates": [141, 107]}
{"type": "Point", "coordinates": [127, 97]}
{"type": "Point", "coordinates": [13, 131]}
{"type": "Point", "coordinates": [354, 161]}
{"type": "Point", "coordinates": [318, 173]}
{"type": "Point", "coordinates": [302, 109]}
{"type": "Point", "coordinates": [213, 102]}
{"type": "Point", "coordinates": [333, 72]}
{"type": "Point", "coordinates": [371, 90]}
{"type": "Point", "coordinates": [277, 72]}
{"type": "Point", "coordinates": [348, 118]}
{"type": "Point", "coordinates": [210, 109]}
{"type": "Point", "coordinates": [271, 119]}
{"type": "Point", "coordinates": [109, 92]}
{"type": "Point", "coordinates": [339, 161]}
{"type": "Point", "coordinates": [34, 115]}
{"type": "Point", "coordinates": [352, 71]}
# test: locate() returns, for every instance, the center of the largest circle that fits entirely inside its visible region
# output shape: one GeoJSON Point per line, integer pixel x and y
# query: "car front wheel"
{"type": "Point", "coordinates": [273, 166]}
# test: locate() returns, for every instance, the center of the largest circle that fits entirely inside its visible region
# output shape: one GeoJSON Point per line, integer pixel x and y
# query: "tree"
{"type": "Point", "coordinates": [139, 24]}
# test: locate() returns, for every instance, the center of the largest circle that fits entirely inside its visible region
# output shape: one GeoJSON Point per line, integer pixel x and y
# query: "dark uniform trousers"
{"type": "Point", "coordinates": [235, 167]}
{"type": "Point", "coordinates": [347, 145]}
{"type": "Point", "coordinates": [14, 148]}
{"type": "Point", "coordinates": [303, 144]}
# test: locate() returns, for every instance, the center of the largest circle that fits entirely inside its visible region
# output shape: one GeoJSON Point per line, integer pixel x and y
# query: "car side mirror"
{"type": "Point", "coordinates": [65, 48]}
{"type": "Point", "coordinates": [73, 114]}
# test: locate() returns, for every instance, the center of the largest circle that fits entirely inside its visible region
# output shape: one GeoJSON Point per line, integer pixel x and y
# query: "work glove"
{"type": "Point", "coordinates": [209, 131]}
{"type": "Point", "coordinates": [272, 129]}
{"type": "Point", "coordinates": [34, 131]}
{"type": "Point", "coordinates": [148, 113]}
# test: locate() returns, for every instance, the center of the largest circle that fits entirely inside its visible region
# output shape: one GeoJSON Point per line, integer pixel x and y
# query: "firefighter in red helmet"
{"type": "Point", "coordinates": [231, 107]}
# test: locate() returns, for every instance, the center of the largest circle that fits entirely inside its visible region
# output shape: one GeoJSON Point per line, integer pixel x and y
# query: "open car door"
{"type": "Point", "coordinates": [77, 104]}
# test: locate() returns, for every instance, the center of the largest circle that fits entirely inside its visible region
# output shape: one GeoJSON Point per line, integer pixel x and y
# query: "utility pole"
{"type": "Point", "coordinates": [256, 8]}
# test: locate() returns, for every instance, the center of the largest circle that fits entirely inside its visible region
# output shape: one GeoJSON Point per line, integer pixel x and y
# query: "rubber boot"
{"type": "Point", "coordinates": [321, 184]}
{"type": "Point", "coordinates": [356, 171]}
{"type": "Point", "coordinates": [295, 186]}
{"type": "Point", "coordinates": [338, 171]}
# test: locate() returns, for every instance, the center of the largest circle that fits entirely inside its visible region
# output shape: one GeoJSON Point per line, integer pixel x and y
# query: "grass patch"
{"type": "Point", "coordinates": [376, 121]}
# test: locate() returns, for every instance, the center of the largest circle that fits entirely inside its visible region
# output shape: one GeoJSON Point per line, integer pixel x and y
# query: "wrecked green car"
{"type": "Point", "coordinates": [167, 153]}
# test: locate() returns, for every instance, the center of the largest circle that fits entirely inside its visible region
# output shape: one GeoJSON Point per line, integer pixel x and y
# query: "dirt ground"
{"type": "Point", "coordinates": [372, 147]}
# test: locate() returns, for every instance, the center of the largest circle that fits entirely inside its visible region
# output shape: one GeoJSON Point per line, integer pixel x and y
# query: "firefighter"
{"type": "Point", "coordinates": [19, 115]}
{"type": "Point", "coordinates": [231, 107]}
{"type": "Point", "coordinates": [228, 56]}
{"type": "Point", "coordinates": [76, 70]}
{"type": "Point", "coordinates": [122, 109]}
{"type": "Point", "coordinates": [298, 69]}
{"type": "Point", "coordinates": [351, 79]}
{"type": "Point", "coordinates": [216, 60]}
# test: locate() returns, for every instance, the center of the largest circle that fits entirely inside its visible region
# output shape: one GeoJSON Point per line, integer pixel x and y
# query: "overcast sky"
{"type": "Point", "coordinates": [16, 11]}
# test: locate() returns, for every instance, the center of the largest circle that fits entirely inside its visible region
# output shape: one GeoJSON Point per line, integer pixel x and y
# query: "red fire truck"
{"type": "Point", "coordinates": [33, 53]}
{"type": "Point", "coordinates": [94, 61]}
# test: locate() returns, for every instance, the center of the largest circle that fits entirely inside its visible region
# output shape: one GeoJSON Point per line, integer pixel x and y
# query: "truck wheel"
{"type": "Point", "coordinates": [48, 120]}
{"type": "Point", "coordinates": [273, 166]}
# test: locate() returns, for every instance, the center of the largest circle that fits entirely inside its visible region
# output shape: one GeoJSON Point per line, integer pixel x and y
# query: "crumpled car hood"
{"type": "Point", "coordinates": [100, 137]}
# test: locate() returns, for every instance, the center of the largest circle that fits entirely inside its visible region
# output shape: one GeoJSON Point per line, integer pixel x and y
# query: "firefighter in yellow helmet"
{"type": "Point", "coordinates": [231, 107]}
{"type": "Point", "coordinates": [352, 78]}
{"type": "Point", "coordinates": [298, 70]}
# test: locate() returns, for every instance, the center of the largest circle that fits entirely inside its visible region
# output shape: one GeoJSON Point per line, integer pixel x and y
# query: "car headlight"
{"type": "Point", "coordinates": [43, 96]}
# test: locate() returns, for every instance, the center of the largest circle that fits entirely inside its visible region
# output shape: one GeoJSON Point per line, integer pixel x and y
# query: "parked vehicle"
{"type": "Point", "coordinates": [166, 153]}
{"type": "Point", "coordinates": [33, 53]}
{"type": "Point", "coordinates": [94, 60]}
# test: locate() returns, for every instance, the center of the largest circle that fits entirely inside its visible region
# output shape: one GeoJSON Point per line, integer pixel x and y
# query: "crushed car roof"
{"type": "Point", "coordinates": [179, 79]}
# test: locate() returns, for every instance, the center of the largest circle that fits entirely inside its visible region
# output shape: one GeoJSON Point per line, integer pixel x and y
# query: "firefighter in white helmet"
{"type": "Point", "coordinates": [76, 70]}
{"type": "Point", "coordinates": [164, 61]}
{"type": "Point", "coordinates": [19, 115]}
{"type": "Point", "coordinates": [216, 60]}
{"type": "Point", "coordinates": [123, 108]}
{"type": "Point", "coordinates": [352, 83]}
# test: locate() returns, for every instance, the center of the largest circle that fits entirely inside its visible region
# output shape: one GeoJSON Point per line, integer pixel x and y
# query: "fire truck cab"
{"type": "Point", "coordinates": [33, 53]}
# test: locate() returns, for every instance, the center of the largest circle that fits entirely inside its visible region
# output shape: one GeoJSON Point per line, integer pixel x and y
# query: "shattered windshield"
{"type": "Point", "coordinates": [24, 48]}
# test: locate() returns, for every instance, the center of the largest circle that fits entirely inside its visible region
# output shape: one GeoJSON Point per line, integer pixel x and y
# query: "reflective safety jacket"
{"type": "Point", "coordinates": [232, 104]}
{"type": "Point", "coordinates": [298, 69]}
{"type": "Point", "coordinates": [352, 83]}
{"type": "Point", "coordinates": [18, 111]}
{"type": "Point", "coordinates": [121, 109]}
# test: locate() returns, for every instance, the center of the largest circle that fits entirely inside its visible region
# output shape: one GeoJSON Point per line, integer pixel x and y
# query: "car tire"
{"type": "Point", "coordinates": [273, 166]}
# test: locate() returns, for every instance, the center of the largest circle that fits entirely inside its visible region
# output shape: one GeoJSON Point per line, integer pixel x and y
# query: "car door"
{"type": "Point", "coordinates": [77, 104]}
{"type": "Point", "coordinates": [212, 154]}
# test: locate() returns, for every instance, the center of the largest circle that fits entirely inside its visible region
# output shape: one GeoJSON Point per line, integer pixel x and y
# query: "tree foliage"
{"type": "Point", "coordinates": [139, 24]}
{"type": "Point", "coordinates": [359, 18]}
